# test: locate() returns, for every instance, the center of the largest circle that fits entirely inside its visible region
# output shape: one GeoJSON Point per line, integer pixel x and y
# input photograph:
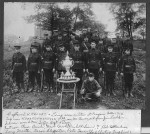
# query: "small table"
{"type": "Point", "coordinates": [72, 90]}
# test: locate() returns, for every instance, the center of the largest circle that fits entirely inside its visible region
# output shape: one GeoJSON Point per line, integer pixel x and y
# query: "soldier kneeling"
{"type": "Point", "coordinates": [91, 90]}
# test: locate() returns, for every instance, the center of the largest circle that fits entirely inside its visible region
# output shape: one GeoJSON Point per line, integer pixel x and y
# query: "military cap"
{"type": "Point", "coordinates": [45, 34]}
{"type": "Point", "coordinates": [35, 45]}
{"type": "Point", "coordinates": [84, 29]}
{"type": "Point", "coordinates": [113, 40]}
{"type": "Point", "coordinates": [55, 30]}
{"type": "Point", "coordinates": [91, 74]}
{"type": "Point", "coordinates": [76, 42]}
{"type": "Point", "coordinates": [17, 46]}
{"type": "Point", "coordinates": [61, 45]}
{"type": "Point", "coordinates": [110, 45]}
{"type": "Point", "coordinates": [35, 37]}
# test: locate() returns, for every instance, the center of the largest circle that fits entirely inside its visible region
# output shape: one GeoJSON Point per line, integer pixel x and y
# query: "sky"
{"type": "Point", "coordinates": [14, 22]}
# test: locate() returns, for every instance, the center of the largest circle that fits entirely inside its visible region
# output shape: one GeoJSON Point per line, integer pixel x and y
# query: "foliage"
{"type": "Point", "coordinates": [129, 16]}
{"type": "Point", "coordinates": [51, 16]}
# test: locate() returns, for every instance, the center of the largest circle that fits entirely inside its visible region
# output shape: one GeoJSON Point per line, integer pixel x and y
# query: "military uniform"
{"type": "Point", "coordinates": [60, 56]}
{"type": "Point", "coordinates": [45, 43]}
{"type": "Point", "coordinates": [66, 40]}
{"type": "Point", "coordinates": [34, 68]}
{"type": "Point", "coordinates": [48, 64]}
{"type": "Point", "coordinates": [37, 44]}
{"type": "Point", "coordinates": [127, 67]}
{"type": "Point", "coordinates": [127, 44]}
{"type": "Point", "coordinates": [95, 62]}
{"type": "Point", "coordinates": [79, 64]}
{"type": "Point", "coordinates": [110, 68]}
{"type": "Point", "coordinates": [90, 89]}
{"type": "Point", "coordinates": [18, 68]}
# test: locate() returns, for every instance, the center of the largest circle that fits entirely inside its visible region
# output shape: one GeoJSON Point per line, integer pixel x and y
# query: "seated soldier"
{"type": "Point", "coordinates": [91, 90]}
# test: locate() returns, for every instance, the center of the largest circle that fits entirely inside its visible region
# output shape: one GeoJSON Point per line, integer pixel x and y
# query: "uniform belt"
{"type": "Point", "coordinates": [127, 66]}
{"type": "Point", "coordinates": [47, 62]}
{"type": "Point", "coordinates": [78, 62]}
{"type": "Point", "coordinates": [18, 64]}
{"type": "Point", "coordinates": [109, 63]}
{"type": "Point", "coordinates": [33, 63]}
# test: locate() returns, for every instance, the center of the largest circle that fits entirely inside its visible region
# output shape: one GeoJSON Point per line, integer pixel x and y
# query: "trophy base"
{"type": "Point", "coordinates": [68, 79]}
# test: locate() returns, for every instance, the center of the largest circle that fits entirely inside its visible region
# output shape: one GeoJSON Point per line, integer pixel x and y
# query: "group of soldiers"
{"type": "Point", "coordinates": [90, 53]}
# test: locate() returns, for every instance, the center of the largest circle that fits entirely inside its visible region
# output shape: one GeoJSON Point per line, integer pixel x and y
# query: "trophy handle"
{"type": "Point", "coordinates": [72, 63]}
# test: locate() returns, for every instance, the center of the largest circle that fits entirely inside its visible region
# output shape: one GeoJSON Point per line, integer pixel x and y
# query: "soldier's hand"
{"type": "Point", "coordinates": [38, 71]}
{"type": "Point", "coordinates": [11, 71]}
{"type": "Point", "coordinates": [83, 70]}
{"type": "Point", "coordinates": [121, 74]}
{"type": "Point", "coordinates": [42, 70]}
{"type": "Point", "coordinates": [87, 70]}
{"type": "Point", "coordinates": [98, 93]}
{"type": "Point", "coordinates": [53, 69]}
{"type": "Point", "coordinates": [100, 69]}
{"type": "Point", "coordinates": [116, 73]}
{"type": "Point", "coordinates": [82, 91]}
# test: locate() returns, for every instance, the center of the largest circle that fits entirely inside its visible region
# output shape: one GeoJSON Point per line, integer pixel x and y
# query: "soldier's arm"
{"type": "Point", "coordinates": [134, 65]}
{"type": "Point", "coordinates": [24, 63]}
{"type": "Point", "coordinates": [99, 88]}
{"type": "Point", "coordinates": [101, 60]}
{"type": "Point", "coordinates": [12, 66]}
{"type": "Point", "coordinates": [39, 63]}
{"type": "Point", "coordinates": [28, 63]}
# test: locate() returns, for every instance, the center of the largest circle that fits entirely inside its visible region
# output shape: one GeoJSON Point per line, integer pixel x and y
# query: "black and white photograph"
{"type": "Point", "coordinates": [75, 55]}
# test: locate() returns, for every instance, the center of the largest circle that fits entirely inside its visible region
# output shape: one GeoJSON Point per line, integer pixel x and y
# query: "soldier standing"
{"type": "Point", "coordinates": [89, 34]}
{"type": "Point", "coordinates": [116, 48]}
{"type": "Point", "coordinates": [127, 45]}
{"type": "Point", "coordinates": [110, 70]}
{"type": "Point", "coordinates": [66, 40]}
{"type": "Point", "coordinates": [37, 44]}
{"type": "Point", "coordinates": [95, 37]}
{"type": "Point", "coordinates": [127, 68]}
{"type": "Point", "coordinates": [61, 54]}
{"type": "Point", "coordinates": [34, 68]}
{"type": "Point", "coordinates": [45, 43]}
{"type": "Point", "coordinates": [18, 68]}
{"type": "Point", "coordinates": [95, 61]}
{"type": "Point", "coordinates": [79, 62]}
{"type": "Point", "coordinates": [48, 66]}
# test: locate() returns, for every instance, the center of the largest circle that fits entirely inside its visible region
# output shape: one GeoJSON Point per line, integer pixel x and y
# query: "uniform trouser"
{"type": "Point", "coordinates": [34, 76]}
{"type": "Point", "coordinates": [128, 81]}
{"type": "Point", "coordinates": [79, 74]}
{"type": "Point", "coordinates": [49, 76]}
{"type": "Point", "coordinates": [18, 77]}
{"type": "Point", "coordinates": [96, 73]}
{"type": "Point", "coordinates": [91, 95]}
{"type": "Point", "coordinates": [110, 77]}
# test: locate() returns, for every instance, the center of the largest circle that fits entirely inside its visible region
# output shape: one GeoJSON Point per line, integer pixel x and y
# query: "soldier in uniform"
{"type": "Point", "coordinates": [61, 54]}
{"type": "Point", "coordinates": [58, 42]}
{"type": "Point", "coordinates": [79, 62]}
{"type": "Point", "coordinates": [95, 37]}
{"type": "Point", "coordinates": [91, 90]}
{"type": "Point", "coordinates": [18, 68]}
{"type": "Point", "coordinates": [85, 44]}
{"type": "Point", "coordinates": [127, 45]}
{"type": "Point", "coordinates": [45, 43]}
{"type": "Point", "coordinates": [127, 68]}
{"type": "Point", "coordinates": [95, 61]}
{"type": "Point", "coordinates": [34, 68]}
{"type": "Point", "coordinates": [89, 34]}
{"type": "Point", "coordinates": [54, 37]}
{"type": "Point", "coordinates": [84, 33]}
{"type": "Point", "coordinates": [37, 44]}
{"type": "Point", "coordinates": [116, 48]}
{"type": "Point", "coordinates": [48, 66]}
{"type": "Point", "coordinates": [110, 70]}
{"type": "Point", "coordinates": [66, 40]}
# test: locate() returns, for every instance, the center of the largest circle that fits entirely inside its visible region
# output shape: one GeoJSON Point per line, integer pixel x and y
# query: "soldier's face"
{"type": "Point", "coordinates": [91, 78]}
{"type": "Point", "coordinates": [59, 37]}
{"type": "Point", "coordinates": [34, 50]}
{"type": "Point", "coordinates": [93, 45]}
{"type": "Point", "coordinates": [76, 48]}
{"type": "Point", "coordinates": [72, 37]}
{"type": "Point", "coordinates": [61, 48]}
{"type": "Point", "coordinates": [89, 29]}
{"type": "Point", "coordinates": [48, 48]}
{"type": "Point", "coordinates": [17, 50]}
{"type": "Point", "coordinates": [110, 49]}
{"type": "Point", "coordinates": [127, 52]}
{"type": "Point", "coordinates": [85, 39]}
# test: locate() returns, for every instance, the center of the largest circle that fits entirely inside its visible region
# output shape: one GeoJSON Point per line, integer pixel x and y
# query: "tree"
{"type": "Point", "coordinates": [127, 16]}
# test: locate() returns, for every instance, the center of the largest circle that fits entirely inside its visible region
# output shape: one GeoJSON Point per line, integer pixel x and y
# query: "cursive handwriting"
{"type": "Point", "coordinates": [65, 121]}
